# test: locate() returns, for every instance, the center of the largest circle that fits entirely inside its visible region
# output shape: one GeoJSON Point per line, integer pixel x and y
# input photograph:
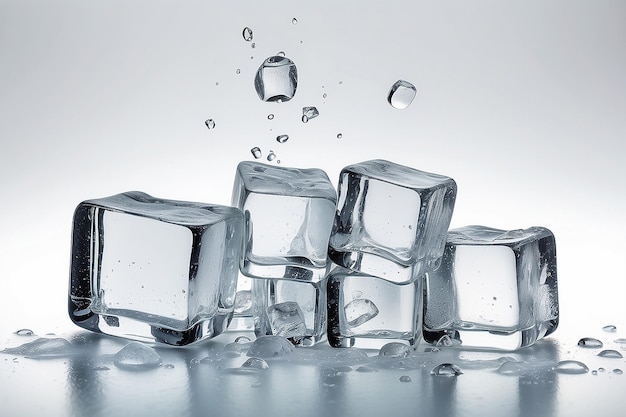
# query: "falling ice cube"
{"type": "Point", "coordinates": [276, 79]}
{"type": "Point", "coordinates": [359, 311]}
{"type": "Point", "coordinates": [286, 320]}
{"type": "Point", "coordinates": [401, 94]}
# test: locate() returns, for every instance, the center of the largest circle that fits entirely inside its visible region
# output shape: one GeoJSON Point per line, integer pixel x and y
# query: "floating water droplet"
{"type": "Point", "coordinates": [294, 21]}
{"type": "Point", "coordinates": [339, 135]}
{"type": "Point", "coordinates": [359, 311]}
{"type": "Point", "coordinates": [281, 53]}
{"type": "Point", "coordinates": [618, 371]}
{"type": "Point", "coordinates": [276, 79]}
{"type": "Point", "coordinates": [394, 350]}
{"type": "Point", "coordinates": [610, 353]}
{"type": "Point", "coordinates": [247, 34]}
{"type": "Point", "coordinates": [282, 138]}
{"type": "Point", "coordinates": [270, 116]}
{"type": "Point", "coordinates": [253, 45]}
{"type": "Point", "coordinates": [238, 71]}
{"type": "Point", "coordinates": [590, 342]}
{"type": "Point", "coordinates": [405, 378]}
{"type": "Point", "coordinates": [570, 367]}
{"type": "Point", "coordinates": [309, 113]}
{"type": "Point", "coordinates": [610, 328]}
{"type": "Point", "coordinates": [210, 123]}
{"type": "Point", "coordinates": [271, 156]}
{"type": "Point", "coordinates": [243, 339]}
{"type": "Point", "coordinates": [270, 346]}
{"type": "Point", "coordinates": [324, 95]}
{"type": "Point", "coordinates": [601, 369]}
{"type": "Point", "coordinates": [24, 332]}
{"type": "Point", "coordinates": [255, 363]}
{"type": "Point", "coordinates": [447, 370]}
{"type": "Point", "coordinates": [256, 152]}
{"type": "Point", "coordinates": [137, 356]}
{"type": "Point", "coordinates": [594, 372]}
{"type": "Point", "coordinates": [401, 94]}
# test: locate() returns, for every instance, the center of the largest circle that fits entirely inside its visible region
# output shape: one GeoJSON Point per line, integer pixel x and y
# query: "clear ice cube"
{"type": "Point", "coordinates": [494, 289]}
{"type": "Point", "coordinates": [291, 309]}
{"type": "Point", "coordinates": [401, 94]}
{"type": "Point", "coordinates": [370, 312]}
{"type": "Point", "coordinates": [276, 79]}
{"type": "Point", "coordinates": [154, 269]}
{"type": "Point", "coordinates": [391, 220]}
{"type": "Point", "coordinates": [288, 217]}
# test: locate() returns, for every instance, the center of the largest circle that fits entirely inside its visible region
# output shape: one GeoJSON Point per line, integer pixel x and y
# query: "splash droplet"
{"type": "Point", "coordinates": [394, 350]}
{"type": "Point", "coordinates": [210, 123]}
{"type": "Point", "coordinates": [247, 34]}
{"type": "Point", "coordinates": [447, 370]}
{"type": "Point", "coordinates": [570, 367]}
{"type": "Point", "coordinates": [255, 363]}
{"type": "Point", "coordinates": [276, 79]}
{"type": "Point", "coordinates": [271, 156]}
{"type": "Point", "coordinates": [610, 328]}
{"type": "Point", "coordinates": [590, 342]}
{"type": "Point", "coordinates": [339, 136]}
{"type": "Point", "coordinates": [618, 371]}
{"type": "Point", "coordinates": [24, 332]}
{"type": "Point", "coordinates": [610, 353]}
{"type": "Point", "coordinates": [282, 138]}
{"type": "Point", "coordinates": [270, 116]}
{"type": "Point", "coordinates": [309, 113]}
{"type": "Point", "coordinates": [401, 94]}
{"type": "Point", "coordinates": [294, 21]}
{"type": "Point", "coordinates": [137, 356]}
{"type": "Point", "coordinates": [256, 152]}
{"type": "Point", "coordinates": [238, 71]}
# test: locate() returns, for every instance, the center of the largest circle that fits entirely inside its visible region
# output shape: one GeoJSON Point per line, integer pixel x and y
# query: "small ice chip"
{"type": "Point", "coordinates": [359, 311]}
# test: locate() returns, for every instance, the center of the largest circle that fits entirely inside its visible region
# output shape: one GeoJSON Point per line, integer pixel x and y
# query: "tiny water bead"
{"type": "Point", "coordinates": [210, 123]}
{"type": "Point", "coordinates": [405, 378]}
{"type": "Point", "coordinates": [294, 21]}
{"type": "Point", "coordinates": [270, 116]}
{"type": "Point", "coordinates": [253, 45]}
{"type": "Point", "coordinates": [339, 136]}
{"type": "Point", "coordinates": [137, 356]}
{"type": "Point", "coordinates": [247, 34]}
{"type": "Point", "coordinates": [401, 94]}
{"type": "Point", "coordinates": [618, 371]}
{"type": "Point", "coordinates": [394, 350]}
{"type": "Point", "coordinates": [447, 370]}
{"type": "Point", "coordinates": [590, 342]}
{"type": "Point", "coordinates": [24, 332]}
{"type": "Point", "coordinates": [610, 353]}
{"type": "Point", "coordinates": [256, 152]}
{"type": "Point", "coordinates": [570, 367]}
{"type": "Point", "coordinates": [255, 363]}
{"type": "Point", "coordinates": [238, 71]}
{"type": "Point", "coordinates": [282, 138]}
{"type": "Point", "coordinates": [276, 79]}
{"type": "Point", "coordinates": [610, 328]}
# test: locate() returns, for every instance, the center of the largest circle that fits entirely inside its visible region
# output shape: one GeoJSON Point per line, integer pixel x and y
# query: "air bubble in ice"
{"type": "Point", "coordinates": [447, 370]}
{"type": "Point", "coordinates": [247, 34]}
{"type": "Point", "coordinates": [570, 367]}
{"type": "Point", "coordinates": [276, 79]}
{"type": "Point", "coordinates": [394, 350]}
{"type": "Point", "coordinates": [401, 94]}
{"type": "Point", "coordinates": [309, 113]}
{"type": "Point", "coordinates": [359, 311]}
{"type": "Point", "coordinates": [590, 342]}
{"type": "Point", "coordinates": [270, 346]}
{"type": "Point", "coordinates": [210, 123]}
{"type": "Point", "coordinates": [24, 332]}
{"type": "Point", "coordinates": [282, 138]}
{"type": "Point", "coordinates": [610, 353]}
{"type": "Point", "coordinates": [255, 363]}
{"type": "Point", "coordinates": [610, 328]}
{"type": "Point", "coordinates": [137, 356]}
{"type": "Point", "coordinates": [256, 152]}
{"type": "Point", "coordinates": [243, 302]}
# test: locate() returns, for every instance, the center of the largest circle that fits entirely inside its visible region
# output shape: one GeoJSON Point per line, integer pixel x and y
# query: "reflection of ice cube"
{"type": "Point", "coordinates": [154, 269]}
{"type": "Point", "coordinates": [494, 288]}
{"type": "Point", "coordinates": [359, 311]}
{"type": "Point", "coordinates": [286, 320]}
{"type": "Point", "coordinates": [391, 220]}
{"type": "Point", "coordinates": [289, 214]}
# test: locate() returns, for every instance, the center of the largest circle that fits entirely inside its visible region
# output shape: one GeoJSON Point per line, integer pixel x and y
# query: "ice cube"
{"type": "Point", "coordinates": [154, 269]}
{"type": "Point", "coordinates": [369, 312]}
{"type": "Point", "coordinates": [276, 79]}
{"type": "Point", "coordinates": [289, 213]}
{"type": "Point", "coordinates": [494, 289]}
{"type": "Point", "coordinates": [289, 308]}
{"type": "Point", "coordinates": [391, 220]}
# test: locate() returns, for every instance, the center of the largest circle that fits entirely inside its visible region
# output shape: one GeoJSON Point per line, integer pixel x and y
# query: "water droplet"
{"type": "Point", "coordinates": [238, 71]}
{"type": "Point", "coordinates": [256, 152]}
{"type": "Point", "coordinates": [243, 302]}
{"type": "Point", "coordinates": [294, 21]}
{"type": "Point", "coordinates": [24, 332]}
{"type": "Point", "coordinates": [270, 116]}
{"type": "Point", "coordinates": [281, 53]}
{"type": "Point", "coordinates": [339, 135]}
{"type": "Point", "coordinates": [405, 378]}
{"type": "Point", "coordinates": [270, 346]}
{"type": "Point", "coordinates": [594, 372]}
{"type": "Point", "coordinates": [610, 328]}
{"type": "Point", "coordinates": [247, 34]}
{"type": "Point", "coordinates": [253, 45]}
{"type": "Point", "coordinates": [276, 79]}
{"type": "Point", "coordinates": [309, 113]}
{"type": "Point", "coordinates": [255, 363]}
{"type": "Point", "coordinates": [512, 368]}
{"type": "Point", "coordinates": [590, 342]}
{"type": "Point", "coordinates": [359, 311]}
{"type": "Point", "coordinates": [618, 371]}
{"type": "Point", "coordinates": [210, 123]}
{"type": "Point", "coordinates": [570, 367]}
{"type": "Point", "coordinates": [137, 356]}
{"type": "Point", "coordinates": [394, 350]}
{"type": "Point", "coordinates": [601, 369]}
{"type": "Point", "coordinates": [42, 348]}
{"type": "Point", "coordinates": [446, 369]}
{"type": "Point", "coordinates": [271, 156]}
{"type": "Point", "coordinates": [610, 353]}
{"type": "Point", "coordinates": [621, 341]}
{"type": "Point", "coordinates": [401, 94]}
{"type": "Point", "coordinates": [282, 138]}
{"type": "Point", "coordinates": [243, 339]}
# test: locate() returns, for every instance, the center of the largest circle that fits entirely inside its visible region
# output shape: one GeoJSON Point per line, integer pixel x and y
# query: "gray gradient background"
{"type": "Point", "coordinates": [522, 103]}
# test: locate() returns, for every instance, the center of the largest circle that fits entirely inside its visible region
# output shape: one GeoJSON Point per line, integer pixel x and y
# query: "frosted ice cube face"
{"type": "Point", "coordinates": [391, 220]}
{"type": "Point", "coordinates": [292, 309]}
{"type": "Point", "coordinates": [494, 289]}
{"type": "Point", "coordinates": [369, 312]}
{"type": "Point", "coordinates": [288, 216]}
{"type": "Point", "coordinates": [153, 269]}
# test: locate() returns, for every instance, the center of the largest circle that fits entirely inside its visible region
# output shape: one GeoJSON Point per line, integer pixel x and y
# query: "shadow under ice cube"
{"type": "Point", "coordinates": [288, 217]}
{"type": "Point", "coordinates": [391, 220]}
{"type": "Point", "coordinates": [494, 288]}
{"type": "Point", "coordinates": [153, 269]}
